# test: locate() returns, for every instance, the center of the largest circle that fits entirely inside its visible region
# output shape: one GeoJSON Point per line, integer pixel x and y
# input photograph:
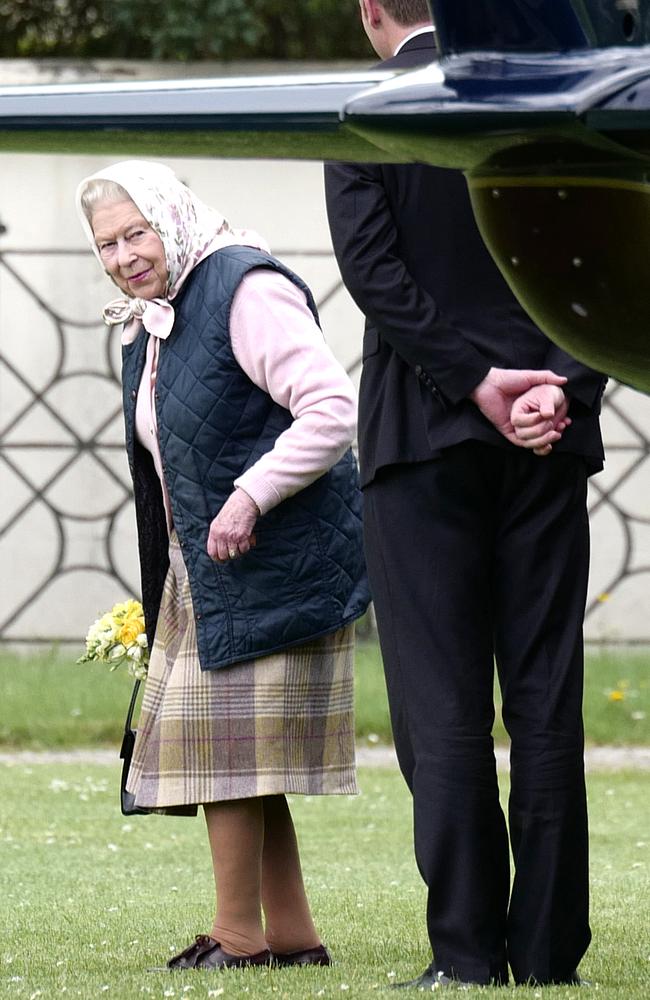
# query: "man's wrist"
{"type": "Point", "coordinates": [475, 393]}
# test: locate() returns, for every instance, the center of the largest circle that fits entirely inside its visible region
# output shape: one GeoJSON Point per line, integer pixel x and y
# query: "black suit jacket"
{"type": "Point", "coordinates": [438, 312]}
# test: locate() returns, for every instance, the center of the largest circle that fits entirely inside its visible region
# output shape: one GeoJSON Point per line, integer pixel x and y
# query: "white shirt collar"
{"type": "Point", "coordinates": [427, 29]}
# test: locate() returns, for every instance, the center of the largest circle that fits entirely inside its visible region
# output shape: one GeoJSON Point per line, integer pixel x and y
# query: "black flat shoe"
{"type": "Point", "coordinates": [312, 956]}
{"type": "Point", "coordinates": [206, 953]}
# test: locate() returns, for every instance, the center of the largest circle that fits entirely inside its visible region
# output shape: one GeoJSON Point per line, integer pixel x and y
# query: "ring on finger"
{"type": "Point", "coordinates": [232, 553]}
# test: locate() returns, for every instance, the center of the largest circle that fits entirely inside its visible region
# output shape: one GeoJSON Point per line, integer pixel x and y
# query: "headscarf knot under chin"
{"type": "Point", "coordinates": [120, 311]}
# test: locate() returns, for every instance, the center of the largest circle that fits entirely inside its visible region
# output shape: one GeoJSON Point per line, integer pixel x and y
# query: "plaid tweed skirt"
{"type": "Point", "coordinates": [276, 724]}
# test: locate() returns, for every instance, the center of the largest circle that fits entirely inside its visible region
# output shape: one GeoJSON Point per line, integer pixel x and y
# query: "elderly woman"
{"type": "Point", "coordinates": [238, 429]}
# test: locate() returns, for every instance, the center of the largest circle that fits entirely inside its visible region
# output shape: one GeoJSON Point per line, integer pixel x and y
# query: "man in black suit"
{"type": "Point", "coordinates": [476, 437]}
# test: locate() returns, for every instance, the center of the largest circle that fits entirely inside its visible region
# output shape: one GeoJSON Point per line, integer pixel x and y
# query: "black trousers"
{"type": "Point", "coordinates": [476, 557]}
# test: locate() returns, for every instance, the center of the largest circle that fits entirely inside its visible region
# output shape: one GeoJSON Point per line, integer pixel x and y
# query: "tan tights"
{"type": "Point", "coordinates": [257, 867]}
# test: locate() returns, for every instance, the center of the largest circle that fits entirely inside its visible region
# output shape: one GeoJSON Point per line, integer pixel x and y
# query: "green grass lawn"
{"type": "Point", "coordinates": [91, 901]}
{"type": "Point", "coordinates": [49, 701]}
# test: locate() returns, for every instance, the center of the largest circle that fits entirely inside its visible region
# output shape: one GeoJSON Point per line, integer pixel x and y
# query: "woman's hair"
{"type": "Point", "coordinates": [98, 190]}
{"type": "Point", "coordinates": [407, 12]}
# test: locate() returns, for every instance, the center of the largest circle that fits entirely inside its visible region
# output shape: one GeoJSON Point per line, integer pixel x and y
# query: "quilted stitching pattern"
{"type": "Point", "coordinates": [306, 577]}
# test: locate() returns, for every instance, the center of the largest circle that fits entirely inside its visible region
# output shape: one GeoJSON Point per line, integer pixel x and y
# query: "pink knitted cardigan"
{"type": "Point", "coordinates": [282, 350]}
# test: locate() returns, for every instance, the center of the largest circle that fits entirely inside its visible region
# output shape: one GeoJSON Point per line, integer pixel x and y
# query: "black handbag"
{"type": "Point", "coordinates": [127, 799]}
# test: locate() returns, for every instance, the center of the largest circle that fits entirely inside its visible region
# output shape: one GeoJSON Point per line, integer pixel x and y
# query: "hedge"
{"type": "Point", "coordinates": [183, 29]}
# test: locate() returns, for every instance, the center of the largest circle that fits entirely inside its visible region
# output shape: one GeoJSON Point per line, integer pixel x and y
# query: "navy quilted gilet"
{"type": "Point", "coordinates": [306, 576]}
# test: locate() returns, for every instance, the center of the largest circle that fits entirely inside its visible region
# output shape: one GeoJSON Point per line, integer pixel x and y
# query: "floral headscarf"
{"type": "Point", "coordinates": [189, 230]}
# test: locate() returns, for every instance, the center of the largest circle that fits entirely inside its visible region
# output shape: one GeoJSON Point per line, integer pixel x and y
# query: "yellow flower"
{"type": "Point", "coordinates": [130, 631]}
{"type": "Point", "coordinates": [131, 621]}
{"type": "Point", "coordinates": [616, 695]}
{"type": "Point", "coordinates": [127, 609]}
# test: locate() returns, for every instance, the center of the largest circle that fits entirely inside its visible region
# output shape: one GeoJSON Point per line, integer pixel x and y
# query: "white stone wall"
{"type": "Point", "coordinates": [66, 523]}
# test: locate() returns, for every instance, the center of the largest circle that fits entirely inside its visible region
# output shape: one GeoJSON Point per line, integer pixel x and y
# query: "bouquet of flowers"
{"type": "Point", "coordinates": [119, 637]}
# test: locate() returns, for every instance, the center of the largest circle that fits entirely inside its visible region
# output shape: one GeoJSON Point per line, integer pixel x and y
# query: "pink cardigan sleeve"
{"type": "Point", "coordinates": [282, 350]}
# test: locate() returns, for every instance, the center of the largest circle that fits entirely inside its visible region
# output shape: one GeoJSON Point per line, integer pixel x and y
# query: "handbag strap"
{"type": "Point", "coordinates": [129, 714]}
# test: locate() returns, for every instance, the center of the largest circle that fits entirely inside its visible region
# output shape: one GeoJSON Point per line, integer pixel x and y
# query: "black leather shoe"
{"type": "Point", "coordinates": [206, 953]}
{"type": "Point", "coordinates": [312, 956]}
{"type": "Point", "coordinates": [431, 979]}
{"type": "Point", "coordinates": [573, 979]}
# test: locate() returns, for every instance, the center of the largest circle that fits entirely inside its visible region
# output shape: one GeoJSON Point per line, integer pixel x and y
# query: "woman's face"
{"type": "Point", "coordinates": [131, 251]}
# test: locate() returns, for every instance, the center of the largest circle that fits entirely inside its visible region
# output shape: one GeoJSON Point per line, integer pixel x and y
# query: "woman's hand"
{"type": "Point", "coordinates": [231, 532]}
